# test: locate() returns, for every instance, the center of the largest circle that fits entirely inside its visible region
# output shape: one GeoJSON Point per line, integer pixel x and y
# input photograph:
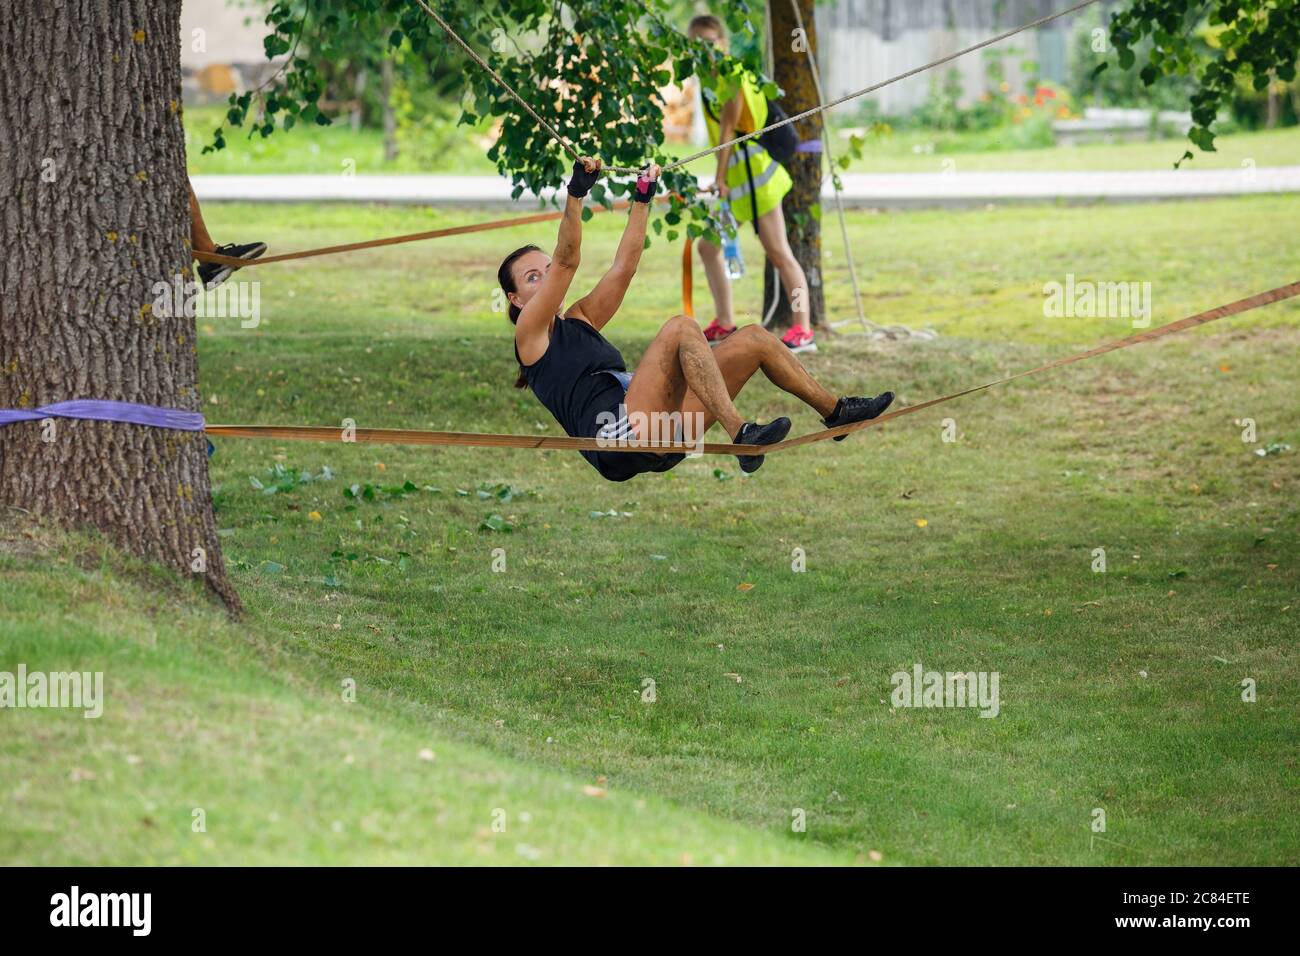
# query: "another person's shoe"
{"type": "Point", "coordinates": [849, 410]}
{"type": "Point", "coordinates": [212, 274]}
{"type": "Point", "coordinates": [715, 333]}
{"type": "Point", "coordinates": [799, 339]}
{"type": "Point", "coordinates": [754, 434]}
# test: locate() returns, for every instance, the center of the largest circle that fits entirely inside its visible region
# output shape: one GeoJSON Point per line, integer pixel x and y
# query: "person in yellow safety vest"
{"type": "Point", "coordinates": [737, 107]}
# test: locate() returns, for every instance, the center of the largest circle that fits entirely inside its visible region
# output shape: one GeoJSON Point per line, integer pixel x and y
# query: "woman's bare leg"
{"type": "Point", "coordinates": [200, 241]}
{"type": "Point", "coordinates": [752, 348]}
{"type": "Point", "coordinates": [678, 361]}
{"type": "Point", "coordinates": [715, 270]}
{"type": "Point", "coordinates": [771, 232]}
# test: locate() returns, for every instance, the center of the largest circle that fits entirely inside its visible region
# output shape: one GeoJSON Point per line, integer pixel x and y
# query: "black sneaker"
{"type": "Point", "coordinates": [754, 434]}
{"type": "Point", "coordinates": [849, 410]}
{"type": "Point", "coordinates": [212, 274]}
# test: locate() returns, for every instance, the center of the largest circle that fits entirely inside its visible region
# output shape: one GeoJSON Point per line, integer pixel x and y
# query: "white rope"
{"type": "Point", "coordinates": [776, 297]}
{"type": "Point", "coordinates": [469, 51]}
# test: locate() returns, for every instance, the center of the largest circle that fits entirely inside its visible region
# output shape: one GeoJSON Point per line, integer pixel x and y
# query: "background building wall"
{"type": "Point", "coordinates": [865, 41]}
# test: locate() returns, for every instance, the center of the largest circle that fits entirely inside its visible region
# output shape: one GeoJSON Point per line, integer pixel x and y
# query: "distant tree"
{"type": "Point", "coordinates": [1252, 40]}
{"type": "Point", "coordinates": [1091, 83]}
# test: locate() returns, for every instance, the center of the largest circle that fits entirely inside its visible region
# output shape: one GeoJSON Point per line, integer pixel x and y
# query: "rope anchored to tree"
{"type": "Point", "coordinates": [556, 443]}
{"type": "Point", "coordinates": [397, 240]}
{"type": "Point", "coordinates": [192, 421]}
{"type": "Point", "coordinates": [180, 419]}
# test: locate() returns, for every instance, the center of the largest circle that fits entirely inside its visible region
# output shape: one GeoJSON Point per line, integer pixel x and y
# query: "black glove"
{"type": "Point", "coordinates": [581, 182]}
{"type": "Point", "coordinates": [645, 188]}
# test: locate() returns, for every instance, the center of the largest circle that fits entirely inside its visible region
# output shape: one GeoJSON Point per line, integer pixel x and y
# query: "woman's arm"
{"type": "Point", "coordinates": [599, 305]}
{"type": "Point", "coordinates": [727, 121]}
{"type": "Point", "coordinates": [533, 330]}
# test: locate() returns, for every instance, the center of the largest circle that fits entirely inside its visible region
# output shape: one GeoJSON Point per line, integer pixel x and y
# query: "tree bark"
{"type": "Point", "coordinates": [94, 214]}
{"type": "Point", "coordinates": [802, 204]}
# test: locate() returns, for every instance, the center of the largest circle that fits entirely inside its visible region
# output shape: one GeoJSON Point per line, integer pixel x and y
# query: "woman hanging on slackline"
{"type": "Point", "coordinates": [681, 385]}
{"type": "Point", "coordinates": [753, 183]}
{"type": "Point", "coordinates": [212, 274]}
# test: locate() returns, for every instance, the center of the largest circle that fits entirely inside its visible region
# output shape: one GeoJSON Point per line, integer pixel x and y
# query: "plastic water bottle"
{"type": "Point", "coordinates": [731, 244]}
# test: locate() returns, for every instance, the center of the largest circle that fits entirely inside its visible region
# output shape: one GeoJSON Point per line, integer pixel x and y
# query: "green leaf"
{"type": "Point", "coordinates": [1203, 138]}
{"type": "Point", "coordinates": [495, 522]}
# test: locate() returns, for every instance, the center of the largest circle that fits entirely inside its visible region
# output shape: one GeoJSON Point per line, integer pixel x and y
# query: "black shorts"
{"type": "Point", "coordinates": [622, 465]}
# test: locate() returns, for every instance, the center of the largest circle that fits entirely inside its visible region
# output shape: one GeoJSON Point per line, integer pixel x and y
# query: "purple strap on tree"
{"type": "Point", "coordinates": [100, 411]}
{"type": "Point", "coordinates": [809, 146]}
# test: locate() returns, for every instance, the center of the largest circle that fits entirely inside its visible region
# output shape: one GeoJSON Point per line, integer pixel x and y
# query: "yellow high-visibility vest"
{"type": "Point", "coordinates": [748, 159]}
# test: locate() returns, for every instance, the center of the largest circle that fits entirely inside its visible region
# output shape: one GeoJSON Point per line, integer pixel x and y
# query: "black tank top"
{"type": "Point", "coordinates": [571, 378]}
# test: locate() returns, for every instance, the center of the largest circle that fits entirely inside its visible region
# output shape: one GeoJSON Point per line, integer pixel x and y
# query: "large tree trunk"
{"type": "Point", "coordinates": [93, 213]}
{"type": "Point", "coordinates": [802, 205]}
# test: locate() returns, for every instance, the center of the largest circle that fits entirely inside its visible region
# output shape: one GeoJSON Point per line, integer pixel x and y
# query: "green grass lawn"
{"type": "Point", "coordinates": [1119, 690]}
{"type": "Point", "coordinates": [338, 148]}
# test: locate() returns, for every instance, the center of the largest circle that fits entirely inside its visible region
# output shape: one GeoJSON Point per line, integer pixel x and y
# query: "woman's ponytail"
{"type": "Point", "coordinates": [506, 279]}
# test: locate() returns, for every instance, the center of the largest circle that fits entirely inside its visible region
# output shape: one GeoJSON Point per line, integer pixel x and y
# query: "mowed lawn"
{"type": "Point", "coordinates": [503, 612]}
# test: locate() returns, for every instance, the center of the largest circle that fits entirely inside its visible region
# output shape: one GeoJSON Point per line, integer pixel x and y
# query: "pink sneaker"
{"type": "Point", "coordinates": [715, 333]}
{"type": "Point", "coordinates": [799, 339]}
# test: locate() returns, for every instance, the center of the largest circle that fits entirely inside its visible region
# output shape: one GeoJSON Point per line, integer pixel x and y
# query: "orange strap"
{"type": "Point", "coordinates": [1147, 335]}
{"type": "Point", "coordinates": [409, 237]}
{"type": "Point", "coordinates": [688, 281]}
{"type": "Point", "coordinates": [404, 437]}
{"type": "Point", "coordinates": [401, 436]}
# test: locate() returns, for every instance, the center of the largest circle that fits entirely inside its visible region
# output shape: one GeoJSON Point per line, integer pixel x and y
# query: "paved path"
{"type": "Point", "coordinates": [879, 190]}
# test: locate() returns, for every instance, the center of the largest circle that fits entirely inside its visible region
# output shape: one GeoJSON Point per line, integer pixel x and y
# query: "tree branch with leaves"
{"type": "Point", "coordinates": [1254, 39]}
{"type": "Point", "coordinates": [591, 70]}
